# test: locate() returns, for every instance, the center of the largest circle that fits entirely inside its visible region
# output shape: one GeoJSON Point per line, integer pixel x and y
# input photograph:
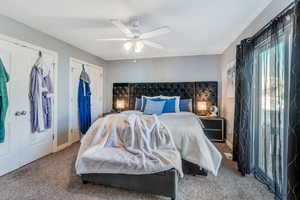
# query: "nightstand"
{"type": "Point", "coordinates": [214, 128]}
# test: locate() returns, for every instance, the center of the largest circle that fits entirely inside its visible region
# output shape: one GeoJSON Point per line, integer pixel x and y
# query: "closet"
{"type": "Point", "coordinates": [96, 77]}
{"type": "Point", "coordinates": [21, 146]}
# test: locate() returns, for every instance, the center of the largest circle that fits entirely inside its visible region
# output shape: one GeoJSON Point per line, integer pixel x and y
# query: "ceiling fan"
{"type": "Point", "coordinates": [135, 40]}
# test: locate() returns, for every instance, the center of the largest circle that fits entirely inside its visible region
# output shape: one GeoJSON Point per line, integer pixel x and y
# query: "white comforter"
{"type": "Point", "coordinates": [190, 140]}
{"type": "Point", "coordinates": [128, 144]}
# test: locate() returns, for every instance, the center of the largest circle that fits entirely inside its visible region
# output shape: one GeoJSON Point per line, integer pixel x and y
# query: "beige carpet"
{"type": "Point", "coordinates": [53, 177]}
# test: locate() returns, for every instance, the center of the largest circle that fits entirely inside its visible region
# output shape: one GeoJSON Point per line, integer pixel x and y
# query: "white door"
{"type": "Point", "coordinates": [96, 77]}
{"type": "Point", "coordinates": [21, 146]}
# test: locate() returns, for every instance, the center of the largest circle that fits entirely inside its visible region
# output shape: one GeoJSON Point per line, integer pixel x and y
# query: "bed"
{"type": "Point", "coordinates": [196, 150]}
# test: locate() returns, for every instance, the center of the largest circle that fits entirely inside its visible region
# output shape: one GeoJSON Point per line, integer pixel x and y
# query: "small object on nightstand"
{"type": "Point", "coordinates": [214, 111]}
{"type": "Point", "coordinates": [214, 128]}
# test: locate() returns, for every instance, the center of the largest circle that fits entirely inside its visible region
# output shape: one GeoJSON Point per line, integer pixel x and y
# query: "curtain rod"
{"type": "Point", "coordinates": [283, 12]}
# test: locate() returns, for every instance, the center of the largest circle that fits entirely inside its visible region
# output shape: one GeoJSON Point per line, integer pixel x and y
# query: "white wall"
{"type": "Point", "coordinates": [173, 69]}
{"type": "Point", "coordinates": [22, 32]}
{"type": "Point", "coordinates": [274, 8]}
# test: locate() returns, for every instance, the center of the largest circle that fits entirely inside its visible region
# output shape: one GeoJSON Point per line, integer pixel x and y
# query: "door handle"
{"type": "Point", "coordinates": [18, 113]}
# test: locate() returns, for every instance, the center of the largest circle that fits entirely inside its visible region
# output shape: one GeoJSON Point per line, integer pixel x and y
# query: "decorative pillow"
{"type": "Point", "coordinates": [144, 99]}
{"type": "Point", "coordinates": [154, 107]}
{"type": "Point", "coordinates": [186, 105]}
{"type": "Point", "coordinates": [177, 102]}
{"type": "Point", "coordinates": [138, 104]}
{"type": "Point", "coordinates": [170, 106]}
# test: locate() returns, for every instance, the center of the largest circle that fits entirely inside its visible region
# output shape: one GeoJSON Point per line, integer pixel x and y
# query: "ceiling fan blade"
{"type": "Point", "coordinates": [122, 27]}
{"type": "Point", "coordinates": [152, 44]}
{"type": "Point", "coordinates": [112, 39]}
{"type": "Point", "coordinates": [156, 32]}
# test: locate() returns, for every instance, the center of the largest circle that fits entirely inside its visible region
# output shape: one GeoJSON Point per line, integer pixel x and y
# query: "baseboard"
{"type": "Point", "coordinates": [229, 144]}
{"type": "Point", "coordinates": [63, 146]}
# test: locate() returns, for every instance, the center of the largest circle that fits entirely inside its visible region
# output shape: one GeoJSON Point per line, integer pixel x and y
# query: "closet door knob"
{"type": "Point", "coordinates": [23, 112]}
{"type": "Point", "coordinates": [18, 113]}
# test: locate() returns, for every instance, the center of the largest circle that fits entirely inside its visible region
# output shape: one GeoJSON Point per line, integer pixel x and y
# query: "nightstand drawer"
{"type": "Point", "coordinates": [214, 135]}
{"type": "Point", "coordinates": [214, 128]}
{"type": "Point", "coordinates": [212, 124]}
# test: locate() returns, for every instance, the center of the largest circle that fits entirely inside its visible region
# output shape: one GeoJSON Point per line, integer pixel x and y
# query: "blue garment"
{"type": "Point", "coordinates": [84, 103]}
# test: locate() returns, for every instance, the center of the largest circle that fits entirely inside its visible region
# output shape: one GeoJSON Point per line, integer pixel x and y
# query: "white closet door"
{"type": "Point", "coordinates": [96, 89]}
{"type": "Point", "coordinates": [21, 146]}
{"type": "Point", "coordinates": [34, 145]}
{"type": "Point", "coordinates": [96, 77]}
{"type": "Point", "coordinates": [8, 149]}
{"type": "Point", "coordinates": [74, 111]}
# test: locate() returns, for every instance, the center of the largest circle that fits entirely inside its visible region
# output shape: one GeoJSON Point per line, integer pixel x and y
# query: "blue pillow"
{"type": "Point", "coordinates": [138, 104]}
{"type": "Point", "coordinates": [154, 107]}
{"type": "Point", "coordinates": [185, 105]}
{"type": "Point", "coordinates": [145, 101]}
{"type": "Point", "coordinates": [170, 106]}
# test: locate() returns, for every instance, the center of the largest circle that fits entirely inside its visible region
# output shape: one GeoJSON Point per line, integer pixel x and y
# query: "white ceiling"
{"type": "Point", "coordinates": [199, 27]}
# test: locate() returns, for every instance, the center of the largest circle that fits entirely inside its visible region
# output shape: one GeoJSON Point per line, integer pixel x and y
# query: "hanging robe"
{"type": "Point", "coordinates": [4, 78]}
{"type": "Point", "coordinates": [39, 95]}
{"type": "Point", "coordinates": [84, 102]}
{"type": "Point", "coordinates": [47, 96]}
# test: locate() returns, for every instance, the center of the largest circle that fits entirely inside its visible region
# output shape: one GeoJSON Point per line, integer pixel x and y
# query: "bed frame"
{"type": "Point", "coordinates": [163, 183]}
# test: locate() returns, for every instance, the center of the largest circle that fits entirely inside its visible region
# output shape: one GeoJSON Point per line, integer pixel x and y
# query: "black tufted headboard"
{"type": "Point", "coordinates": [197, 91]}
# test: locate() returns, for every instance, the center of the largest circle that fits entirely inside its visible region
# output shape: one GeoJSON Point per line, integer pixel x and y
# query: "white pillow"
{"type": "Point", "coordinates": [143, 97]}
{"type": "Point", "coordinates": [177, 102]}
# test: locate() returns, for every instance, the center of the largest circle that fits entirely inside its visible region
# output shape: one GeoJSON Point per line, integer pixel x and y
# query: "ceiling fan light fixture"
{"type": "Point", "coordinates": [139, 45]}
{"type": "Point", "coordinates": [128, 46]}
{"type": "Point", "coordinates": [137, 50]}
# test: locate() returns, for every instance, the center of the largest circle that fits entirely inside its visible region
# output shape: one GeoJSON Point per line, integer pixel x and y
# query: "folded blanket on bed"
{"type": "Point", "coordinates": [127, 144]}
{"type": "Point", "coordinates": [190, 140]}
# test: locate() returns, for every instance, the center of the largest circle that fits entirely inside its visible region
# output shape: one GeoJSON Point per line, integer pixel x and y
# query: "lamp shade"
{"type": "Point", "coordinates": [202, 105]}
{"type": "Point", "coordinates": [120, 104]}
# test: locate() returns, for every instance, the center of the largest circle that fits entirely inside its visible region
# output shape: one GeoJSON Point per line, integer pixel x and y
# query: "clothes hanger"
{"type": "Point", "coordinates": [38, 61]}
